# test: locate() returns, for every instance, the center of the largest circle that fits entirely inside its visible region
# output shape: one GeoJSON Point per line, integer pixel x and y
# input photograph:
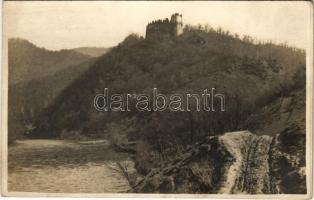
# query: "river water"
{"type": "Point", "coordinates": [59, 166]}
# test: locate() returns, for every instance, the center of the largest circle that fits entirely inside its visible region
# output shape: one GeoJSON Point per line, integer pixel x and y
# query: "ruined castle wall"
{"type": "Point", "coordinates": [159, 29]}
{"type": "Point", "coordinates": [165, 28]}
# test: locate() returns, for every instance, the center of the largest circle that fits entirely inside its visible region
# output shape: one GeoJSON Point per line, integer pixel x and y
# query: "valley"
{"type": "Point", "coordinates": [254, 144]}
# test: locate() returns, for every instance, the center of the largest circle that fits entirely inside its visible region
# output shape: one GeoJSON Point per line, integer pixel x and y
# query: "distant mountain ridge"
{"type": "Point", "coordinates": [92, 51]}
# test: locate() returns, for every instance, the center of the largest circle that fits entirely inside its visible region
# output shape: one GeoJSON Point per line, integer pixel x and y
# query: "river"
{"type": "Point", "coordinates": [60, 166]}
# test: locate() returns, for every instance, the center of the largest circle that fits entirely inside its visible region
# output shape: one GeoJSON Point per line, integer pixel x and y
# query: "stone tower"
{"type": "Point", "coordinates": [176, 20]}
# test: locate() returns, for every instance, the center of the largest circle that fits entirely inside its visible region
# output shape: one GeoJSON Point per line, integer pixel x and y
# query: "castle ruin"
{"type": "Point", "coordinates": [165, 28]}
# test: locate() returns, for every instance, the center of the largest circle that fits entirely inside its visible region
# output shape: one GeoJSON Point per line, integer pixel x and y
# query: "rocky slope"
{"type": "Point", "coordinates": [269, 162]}
{"type": "Point", "coordinates": [234, 163]}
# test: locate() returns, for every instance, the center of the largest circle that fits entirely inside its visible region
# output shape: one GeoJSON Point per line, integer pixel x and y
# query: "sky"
{"type": "Point", "coordinates": [69, 24]}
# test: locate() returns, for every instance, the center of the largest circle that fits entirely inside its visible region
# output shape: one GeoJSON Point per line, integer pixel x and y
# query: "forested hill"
{"type": "Point", "coordinates": [36, 77]}
{"type": "Point", "coordinates": [27, 61]}
{"type": "Point", "coordinates": [250, 74]}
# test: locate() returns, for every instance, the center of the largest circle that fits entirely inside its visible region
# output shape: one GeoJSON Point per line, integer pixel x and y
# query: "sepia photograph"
{"type": "Point", "coordinates": [179, 99]}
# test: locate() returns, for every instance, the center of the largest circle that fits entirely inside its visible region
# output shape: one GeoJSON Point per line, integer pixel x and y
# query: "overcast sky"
{"type": "Point", "coordinates": [61, 25]}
